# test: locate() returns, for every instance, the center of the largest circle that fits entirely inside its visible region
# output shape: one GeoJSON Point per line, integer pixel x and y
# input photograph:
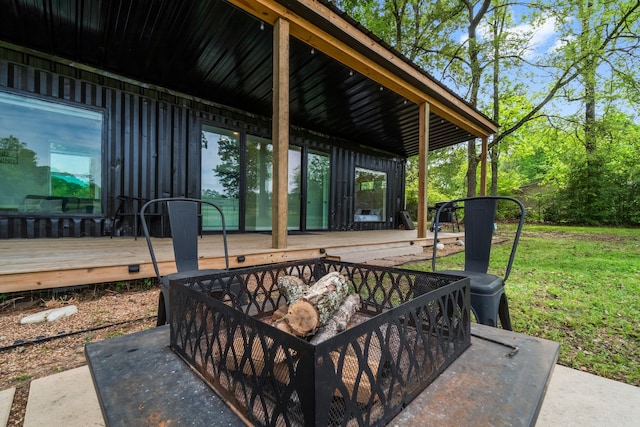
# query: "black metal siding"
{"type": "Point", "coordinates": [343, 164]}
{"type": "Point", "coordinates": [152, 147]}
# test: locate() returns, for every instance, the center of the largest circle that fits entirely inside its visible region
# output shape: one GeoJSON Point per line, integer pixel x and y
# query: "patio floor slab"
{"type": "Point", "coordinates": [6, 399]}
{"type": "Point", "coordinates": [65, 399]}
{"type": "Point", "coordinates": [576, 398]}
{"type": "Point", "coordinates": [573, 398]}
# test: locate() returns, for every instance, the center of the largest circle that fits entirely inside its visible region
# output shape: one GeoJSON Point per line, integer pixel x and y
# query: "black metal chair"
{"type": "Point", "coordinates": [184, 223]}
{"type": "Point", "coordinates": [125, 218]}
{"type": "Point", "coordinates": [448, 214]}
{"type": "Point", "coordinates": [488, 298]}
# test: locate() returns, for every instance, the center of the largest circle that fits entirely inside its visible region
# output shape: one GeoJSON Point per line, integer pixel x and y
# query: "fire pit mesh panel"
{"type": "Point", "coordinates": [410, 327]}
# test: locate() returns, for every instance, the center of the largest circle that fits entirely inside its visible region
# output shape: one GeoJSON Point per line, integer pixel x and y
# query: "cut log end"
{"type": "Point", "coordinates": [280, 313]}
{"type": "Point", "coordinates": [302, 318]}
{"type": "Point", "coordinates": [284, 326]}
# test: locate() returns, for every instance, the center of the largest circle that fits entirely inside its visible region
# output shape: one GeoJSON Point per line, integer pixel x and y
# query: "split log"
{"type": "Point", "coordinates": [317, 305]}
{"type": "Point", "coordinates": [292, 288]}
{"type": "Point", "coordinates": [358, 385]}
{"type": "Point", "coordinates": [339, 319]}
{"type": "Point", "coordinates": [253, 359]}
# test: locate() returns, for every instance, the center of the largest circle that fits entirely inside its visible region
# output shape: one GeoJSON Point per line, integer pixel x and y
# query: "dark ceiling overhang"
{"type": "Point", "coordinates": [214, 51]}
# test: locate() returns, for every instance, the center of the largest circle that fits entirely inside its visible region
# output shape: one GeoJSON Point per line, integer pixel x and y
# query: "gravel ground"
{"type": "Point", "coordinates": [32, 351]}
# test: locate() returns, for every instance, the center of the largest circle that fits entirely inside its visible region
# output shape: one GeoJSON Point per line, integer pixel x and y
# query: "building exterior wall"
{"type": "Point", "coordinates": [152, 147]}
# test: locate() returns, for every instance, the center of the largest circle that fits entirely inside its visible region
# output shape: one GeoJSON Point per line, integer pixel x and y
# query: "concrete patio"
{"type": "Point", "coordinates": [574, 398]}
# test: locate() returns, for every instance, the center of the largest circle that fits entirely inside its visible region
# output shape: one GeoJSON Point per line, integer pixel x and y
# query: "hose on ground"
{"type": "Point", "coordinates": [38, 340]}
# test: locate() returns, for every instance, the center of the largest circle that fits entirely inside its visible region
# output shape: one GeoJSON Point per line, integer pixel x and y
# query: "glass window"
{"type": "Point", "coordinates": [370, 195]}
{"type": "Point", "coordinates": [50, 157]}
{"type": "Point", "coordinates": [259, 172]}
{"type": "Point", "coordinates": [221, 177]}
{"type": "Point", "coordinates": [318, 191]}
{"type": "Point", "coordinates": [295, 194]}
{"type": "Point", "coordinates": [259, 183]}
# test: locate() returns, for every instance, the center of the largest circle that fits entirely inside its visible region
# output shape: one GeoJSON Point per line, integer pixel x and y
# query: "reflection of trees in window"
{"type": "Point", "coordinates": [19, 170]}
{"type": "Point", "coordinates": [258, 174]}
{"type": "Point", "coordinates": [220, 176]}
{"type": "Point", "coordinates": [228, 171]}
{"type": "Point", "coordinates": [63, 187]}
{"type": "Point", "coordinates": [317, 191]}
{"type": "Point", "coordinates": [259, 160]}
{"type": "Point", "coordinates": [55, 159]}
{"type": "Point", "coordinates": [295, 182]}
{"type": "Point", "coordinates": [318, 168]}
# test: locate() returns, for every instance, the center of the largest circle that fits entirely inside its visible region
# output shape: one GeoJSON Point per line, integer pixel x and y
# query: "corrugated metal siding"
{"type": "Point", "coordinates": [343, 164]}
{"type": "Point", "coordinates": [152, 147]}
{"type": "Point", "coordinates": [140, 157]}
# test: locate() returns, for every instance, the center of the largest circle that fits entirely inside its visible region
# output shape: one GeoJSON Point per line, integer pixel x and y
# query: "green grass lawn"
{"type": "Point", "coordinates": [577, 286]}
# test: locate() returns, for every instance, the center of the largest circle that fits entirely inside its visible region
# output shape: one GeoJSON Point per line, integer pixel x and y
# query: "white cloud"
{"type": "Point", "coordinates": [541, 39]}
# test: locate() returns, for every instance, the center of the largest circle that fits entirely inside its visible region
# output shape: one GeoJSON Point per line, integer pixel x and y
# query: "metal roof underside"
{"type": "Point", "coordinates": [214, 51]}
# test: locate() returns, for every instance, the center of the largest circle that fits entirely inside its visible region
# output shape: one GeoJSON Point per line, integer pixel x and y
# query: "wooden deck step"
{"type": "Point", "coordinates": [365, 253]}
{"type": "Point", "coordinates": [368, 253]}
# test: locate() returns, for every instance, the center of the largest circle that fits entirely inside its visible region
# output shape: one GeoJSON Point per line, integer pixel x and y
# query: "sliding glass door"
{"type": "Point", "coordinates": [220, 177]}
{"type": "Point", "coordinates": [237, 175]}
{"type": "Point", "coordinates": [295, 188]}
{"type": "Point", "coordinates": [259, 178]}
{"type": "Point", "coordinates": [317, 191]}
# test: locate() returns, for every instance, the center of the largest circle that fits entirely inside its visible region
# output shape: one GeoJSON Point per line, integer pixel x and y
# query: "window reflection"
{"type": "Point", "coordinates": [50, 157]}
{"type": "Point", "coordinates": [259, 183]}
{"type": "Point", "coordinates": [370, 195]}
{"type": "Point", "coordinates": [221, 177]}
{"type": "Point", "coordinates": [295, 192]}
{"type": "Point", "coordinates": [318, 191]}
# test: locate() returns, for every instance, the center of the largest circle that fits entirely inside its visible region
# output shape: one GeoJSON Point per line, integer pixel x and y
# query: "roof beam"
{"type": "Point", "coordinates": [443, 103]}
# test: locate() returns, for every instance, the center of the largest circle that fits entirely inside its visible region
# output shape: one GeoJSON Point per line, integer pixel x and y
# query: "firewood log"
{"type": "Point", "coordinates": [292, 288]}
{"type": "Point", "coordinates": [339, 319]}
{"type": "Point", "coordinates": [280, 313]}
{"type": "Point", "coordinates": [317, 305]}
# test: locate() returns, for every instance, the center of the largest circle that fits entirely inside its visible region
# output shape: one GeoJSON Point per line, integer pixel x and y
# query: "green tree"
{"type": "Point", "coordinates": [228, 170]}
{"type": "Point", "coordinates": [593, 64]}
{"type": "Point", "coordinates": [19, 171]}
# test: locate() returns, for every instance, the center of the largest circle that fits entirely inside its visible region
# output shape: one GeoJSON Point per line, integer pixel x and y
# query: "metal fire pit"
{"type": "Point", "coordinates": [411, 326]}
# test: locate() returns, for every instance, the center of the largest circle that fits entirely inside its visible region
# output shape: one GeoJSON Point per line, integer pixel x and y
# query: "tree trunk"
{"type": "Point", "coordinates": [472, 168]}
{"type": "Point", "coordinates": [476, 72]}
{"type": "Point", "coordinates": [493, 154]}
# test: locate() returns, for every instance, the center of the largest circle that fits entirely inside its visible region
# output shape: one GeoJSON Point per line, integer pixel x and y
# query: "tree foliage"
{"type": "Point", "coordinates": [567, 109]}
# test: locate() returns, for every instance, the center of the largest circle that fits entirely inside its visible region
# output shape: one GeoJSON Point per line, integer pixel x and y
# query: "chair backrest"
{"type": "Point", "coordinates": [479, 218]}
{"type": "Point", "coordinates": [183, 219]}
{"type": "Point", "coordinates": [184, 223]}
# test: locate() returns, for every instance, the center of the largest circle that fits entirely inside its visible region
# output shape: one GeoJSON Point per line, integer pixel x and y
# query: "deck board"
{"type": "Point", "coordinates": [36, 264]}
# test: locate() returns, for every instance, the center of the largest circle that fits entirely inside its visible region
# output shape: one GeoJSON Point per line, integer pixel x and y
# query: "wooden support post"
{"type": "Point", "coordinates": [280, 134]}
{"type": "Point", "coordinates": [422, 170]}
{"type": "Point", "coordinates": [483, 167]}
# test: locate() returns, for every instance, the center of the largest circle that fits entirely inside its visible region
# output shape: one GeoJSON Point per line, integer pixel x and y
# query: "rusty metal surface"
{"type": "Point", "coordinates": [140, 381]}
{"type": "Point", "coordinates": [499, 381]}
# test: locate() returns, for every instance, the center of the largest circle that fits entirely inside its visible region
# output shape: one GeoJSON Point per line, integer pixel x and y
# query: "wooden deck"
{"type": "Point", "coordinates": [38, 264]}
